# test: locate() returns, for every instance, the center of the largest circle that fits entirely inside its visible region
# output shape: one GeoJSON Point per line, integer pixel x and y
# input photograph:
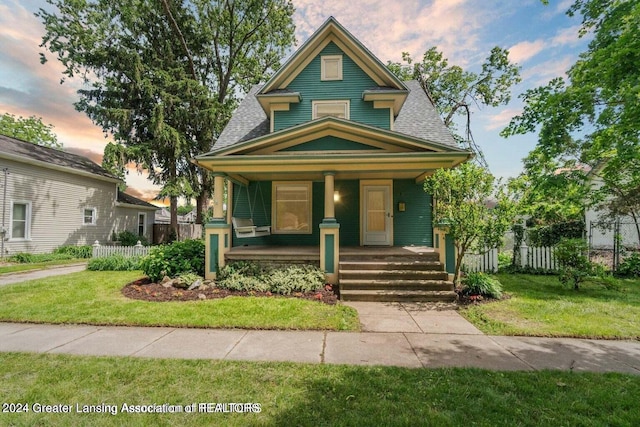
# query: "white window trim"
{"type": "Point", "coordinates": [27, 231]}
{"type": "Point", "coordinates": [94, 216]}
{"type": "Point", "coordinates": [144, 226]}
{"type": "Point", "coordinates": [308, 185]}
{"type": "Point", "coordinates": [344, 102]}
{"type": "Point", "coordinates": [323, 59]}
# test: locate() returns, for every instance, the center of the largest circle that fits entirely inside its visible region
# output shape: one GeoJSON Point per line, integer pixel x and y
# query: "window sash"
{"type": "Point", "coordinates": [291, 210]}
{"type": "Point", "coordinates": [20, 221]}
{"type": "Point", "coordinates": [89, 216]}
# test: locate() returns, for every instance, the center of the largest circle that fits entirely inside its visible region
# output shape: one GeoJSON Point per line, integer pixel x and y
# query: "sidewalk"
{"type": "Point", "coordinates": [436, 347]}
{"type": "Point", "coordinates": [23, 276]}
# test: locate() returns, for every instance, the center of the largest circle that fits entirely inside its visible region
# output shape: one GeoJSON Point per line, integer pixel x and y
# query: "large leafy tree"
{"type": "Point", "coordinates": [456, 92]}
{"type": "Point", "coordinates": [163, 76]}
{"type": "Point", "coordinates": [591, 116]}
{"type": "Point", "coordinates": [475, 210]}
{"type": "Point", "coordinates": [30, 129]}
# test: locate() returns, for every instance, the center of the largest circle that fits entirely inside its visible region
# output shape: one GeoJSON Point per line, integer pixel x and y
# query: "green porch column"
{"type": "Point", "coordinates": [217, 232]}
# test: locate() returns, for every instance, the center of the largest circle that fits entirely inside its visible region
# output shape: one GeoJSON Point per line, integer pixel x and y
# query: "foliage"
{"type": "Point", "coordinates": [114, 263]}
{"type": "Point", "coordinates": [550, 235]}
{"type": "Point", "coordinates": [129, 238]}
{"type": "Point", "coordinates": [518, 238]}
{"type": "Point", "coordinates": [27, 258]}
{"type": "Point", "coordinates": [30, 129]}
{"type": "Point", "coordinates": [185, 209]}
{"type": "Point", "coordinates": [455, 92]}
{"type": "Point", "coordinates": [590, 118]}
{"type": "Point", "coordinates": [504, 260]}
{"type": "Point", "coordinates": [460, 206]}
{"type": "Point", "coordinates": [247, 276]}
{"type": "Point", "coordinates": [571, 255]}
{"type": "Point", "coordinates": [630, 267]}
{"type": "Point", "coordinates": [85, 251]}
{"type": "Point", "coordinates": [164, 77]}
{"type": "Point", "coordinates": [481, 284]}
{"type": "Point", "coordinates": [174, 259]}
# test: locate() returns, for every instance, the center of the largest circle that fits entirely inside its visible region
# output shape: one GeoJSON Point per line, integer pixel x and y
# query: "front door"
{"type": "Point", "coordinates": [377, 218]}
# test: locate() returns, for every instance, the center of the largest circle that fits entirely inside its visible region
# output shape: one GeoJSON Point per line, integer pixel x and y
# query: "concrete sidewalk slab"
{"type": "Point", "coordinates": [471, 351]}
{"type": "Point", "coordinates": [443, 322]}
{"type": "Point", "coordinates": [279, 346]}
{"type": "Point", "coordinates": [42, 338]}
{"type": "Point", "coordinates": [370, 349]}
{"type": "Point", "coordinates": [568, 354]}
{"type": "Point", "coordinates": [194, 344]}
{"type": "Point", "coordinates": [113, 341]}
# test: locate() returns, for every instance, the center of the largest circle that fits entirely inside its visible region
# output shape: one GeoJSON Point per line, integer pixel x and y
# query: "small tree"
{"type": "Point", "coordinates": [571, 254]}
{"type": "Point", "coordinates": [461, 203]}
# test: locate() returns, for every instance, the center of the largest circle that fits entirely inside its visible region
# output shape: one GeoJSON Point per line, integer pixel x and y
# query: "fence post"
{"type": "Point", "coordinates": [524, 259]}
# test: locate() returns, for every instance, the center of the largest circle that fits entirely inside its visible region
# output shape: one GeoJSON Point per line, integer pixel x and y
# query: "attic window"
{"type": "Point", "coordinates": [339, 109]}
{"type": "Point", "coordinates": [331, 68]}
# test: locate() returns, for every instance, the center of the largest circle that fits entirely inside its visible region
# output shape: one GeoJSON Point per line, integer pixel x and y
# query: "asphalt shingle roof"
{"type": "Point", "coordinates": [418, 118]}
{"type": "Point", "coordinates": [130, 200]}
{"type": "Point", "coordinates": [52, 156]}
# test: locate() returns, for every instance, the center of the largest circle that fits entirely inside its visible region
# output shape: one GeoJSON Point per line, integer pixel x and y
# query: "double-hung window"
{"type": "Point", "coordinates": [291, 207]}
{"type": "Point", "coordinates": [20, 220]}
{"type": "Point", "coordinates": [89, 216]}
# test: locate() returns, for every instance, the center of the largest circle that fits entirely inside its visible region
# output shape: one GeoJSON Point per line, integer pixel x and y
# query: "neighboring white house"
{"type": "Point", "coordinates": [601, 233]}
{"type": "Point", "coordinates": [163, 216]}
{"type": "Point", "coordinates": [51, 198]}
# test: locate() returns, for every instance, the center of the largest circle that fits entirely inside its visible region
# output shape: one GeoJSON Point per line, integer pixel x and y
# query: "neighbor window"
{"type": "Point", "coordinates": [331, 68]}
{"type": "Point", "coordinates": [89, 216]}
{"type": "Point", "coordinates": [338, 109]}
{"type": "Point", "coordinates": [21, 220]}
{"type": "Point", "coordinates": [291, 207]}
{"type": "Point", "coordinates": [142, 224]}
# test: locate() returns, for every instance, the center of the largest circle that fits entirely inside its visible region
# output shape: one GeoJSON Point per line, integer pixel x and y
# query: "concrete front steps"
{"type": "Point", "coordinates": [397, 277]}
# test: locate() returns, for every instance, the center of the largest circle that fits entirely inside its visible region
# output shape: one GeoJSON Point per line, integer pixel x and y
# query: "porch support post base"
{"type": "Point", "coordinates": [330, 249]}
{"type": "Point", "coordinates": [217, 241]}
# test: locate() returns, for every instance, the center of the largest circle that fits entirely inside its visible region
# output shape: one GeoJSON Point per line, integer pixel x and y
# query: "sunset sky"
{"type": "Point", "coordinates": [541, 39]}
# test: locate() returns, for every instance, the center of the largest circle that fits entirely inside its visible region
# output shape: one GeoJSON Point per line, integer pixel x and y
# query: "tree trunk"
{"type": "Point", "coordinates": [173, 210]}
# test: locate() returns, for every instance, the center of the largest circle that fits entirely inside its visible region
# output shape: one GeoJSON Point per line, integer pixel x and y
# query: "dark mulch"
{"type": "Point", "coordinates": [145, 290]}
{"type": "Point", "coordinates": [477, 299]}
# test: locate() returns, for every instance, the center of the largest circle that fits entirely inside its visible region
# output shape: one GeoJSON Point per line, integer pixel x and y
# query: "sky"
{"type": "Point", "coordinates": [541, 39]}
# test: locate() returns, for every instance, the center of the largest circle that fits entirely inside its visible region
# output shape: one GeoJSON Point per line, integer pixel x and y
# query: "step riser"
{"type": "Point", "coordinates": [411, 266]}
{"type": "Point", "coordinates": [399, 258]}
{"type": "Point", "coordinates": [399, 298]}
{"type": "Point", "coordinates": [393, 275]}
{"type": "Point", "coordinates": [406, 286]}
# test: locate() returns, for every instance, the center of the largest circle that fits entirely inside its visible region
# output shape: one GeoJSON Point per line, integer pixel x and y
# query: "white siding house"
{"type": "Point", "coordinates": [51, 198]}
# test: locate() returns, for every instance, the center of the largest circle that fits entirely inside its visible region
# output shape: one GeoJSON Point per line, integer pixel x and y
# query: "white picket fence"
{"type": "Point", "coordinates": [126, 251]}
{"type": "Point", "coordinates": [533, 257]}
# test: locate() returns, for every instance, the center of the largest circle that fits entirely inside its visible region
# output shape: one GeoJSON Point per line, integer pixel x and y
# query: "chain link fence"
{"type": "Point", "coordinates": [611, 241]}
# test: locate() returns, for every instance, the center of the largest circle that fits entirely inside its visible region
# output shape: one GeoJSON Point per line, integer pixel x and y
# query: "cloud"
{"type": "Point", "coordinates": [146, 195]}
{"type": "Point", "coordinates": [501, 119]}
{"type": "Point", "coordinates": [525, 50]}
{"type": "Point", "coordinates": [540, 74]}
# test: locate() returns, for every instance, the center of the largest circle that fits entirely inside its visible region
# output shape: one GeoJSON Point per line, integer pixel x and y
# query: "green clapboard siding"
{"type": "Point", "coordinates": [330, 143]}
{"type": "Point", "coordinates": [311, 88]}
{"type": "Point", "coordinates": [413, 226]}
{"type": "Point", "coordinates": [348, 212]}
{"type": "Point", "coordinates": [258, 196]}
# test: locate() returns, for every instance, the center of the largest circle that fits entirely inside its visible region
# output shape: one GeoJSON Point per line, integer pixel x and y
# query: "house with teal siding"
{"type": "Point", "coordinates": [330, 153]}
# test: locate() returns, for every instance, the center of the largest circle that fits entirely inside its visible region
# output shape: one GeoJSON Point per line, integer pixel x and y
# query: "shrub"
{"type": "Point", "coordinates": [571, 255]}
{"type": "Point", "coordinates": [128, 238]}
{"type": "Point", "coordinates": [174, 259]}
{"type": "Point", "coordinates": [114, 263]}
{"type": "Point", "coordinates": [481, 284]}
{"type": "Point", "coordinates": [297, 278]}
{"type": "Point", "coordinates": [85, 251]}
{"type": "Point", "coordinates": [236, 281]}
{"type": "Point", "coordinates": [26, 258]}
{"type": "Point", "coordinates": [505, 259]}
{"type": "Point", "coordinates": [630, 267]}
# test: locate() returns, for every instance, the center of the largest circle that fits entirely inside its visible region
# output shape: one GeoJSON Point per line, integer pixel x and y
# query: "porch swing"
{"type": "Point", "coordinates": [244, 227]}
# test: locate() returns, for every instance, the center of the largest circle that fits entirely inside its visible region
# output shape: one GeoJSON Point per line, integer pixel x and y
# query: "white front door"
{"type": "Point", "coordinates": [377, 215]}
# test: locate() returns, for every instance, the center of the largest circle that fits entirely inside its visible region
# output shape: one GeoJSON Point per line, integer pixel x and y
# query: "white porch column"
{"type": "Point", "coordinates": [329, 203]}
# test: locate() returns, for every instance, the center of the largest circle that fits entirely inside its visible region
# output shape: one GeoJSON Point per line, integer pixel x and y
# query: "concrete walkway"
{"type": "Point", "coordinates": [23, 276]}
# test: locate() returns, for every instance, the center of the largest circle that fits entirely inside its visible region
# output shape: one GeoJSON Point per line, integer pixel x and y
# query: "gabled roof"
{"type": "Point", "coordinates": [128, 199]}
{"type": "Point", "coordinates": [332, 31]}
{"type": "Point", "coordinates": [27, 152]}
{"type": "Point", "coordinates": [418, 119]}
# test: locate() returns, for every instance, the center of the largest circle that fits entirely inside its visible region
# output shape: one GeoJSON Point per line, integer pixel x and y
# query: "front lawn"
{"type": "Point", "coordinates": [541, 306]}
{"type": "Point", "coordinates": [95, 298]}
{"type": "Point", "coordinates": [308, 394]}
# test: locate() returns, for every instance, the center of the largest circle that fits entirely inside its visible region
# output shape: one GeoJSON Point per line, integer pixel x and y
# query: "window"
{"type": "Point", "coordinates": [20, 221]}
{"type": "Point", "coordinates": [142, 224]}
{"type": "Point", "coordinates": [331, 67]}
{"type": "Point", "coordinates": [338, 109]}
{"type": "Point", "coordinates": [291, 207]}
{"type": "Point", "coordinates": [89, 216]}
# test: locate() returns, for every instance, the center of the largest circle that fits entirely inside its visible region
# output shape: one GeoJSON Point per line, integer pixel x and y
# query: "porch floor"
{"type": "Point", "coordinates": [312, 253]}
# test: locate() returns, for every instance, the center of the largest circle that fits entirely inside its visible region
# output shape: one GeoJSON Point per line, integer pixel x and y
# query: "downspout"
{"type": "Point", "coordinates": [3, 231]}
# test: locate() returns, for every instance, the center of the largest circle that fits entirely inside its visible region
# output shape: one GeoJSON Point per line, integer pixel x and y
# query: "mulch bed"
{"type": "Point", "coordinates": [145, 290]}
{"type": "Point", "coordinates": [464, 300]}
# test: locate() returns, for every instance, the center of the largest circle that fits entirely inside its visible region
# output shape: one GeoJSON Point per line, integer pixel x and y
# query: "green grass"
{"type": "Point", "coordinates": [15, 268]}
{"type": "Point", "coordinates": [95, 298]}
{"type": "Point", "coordinates": [541, 306]}
{"type": "Point", "coordinates": [311, 395]}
